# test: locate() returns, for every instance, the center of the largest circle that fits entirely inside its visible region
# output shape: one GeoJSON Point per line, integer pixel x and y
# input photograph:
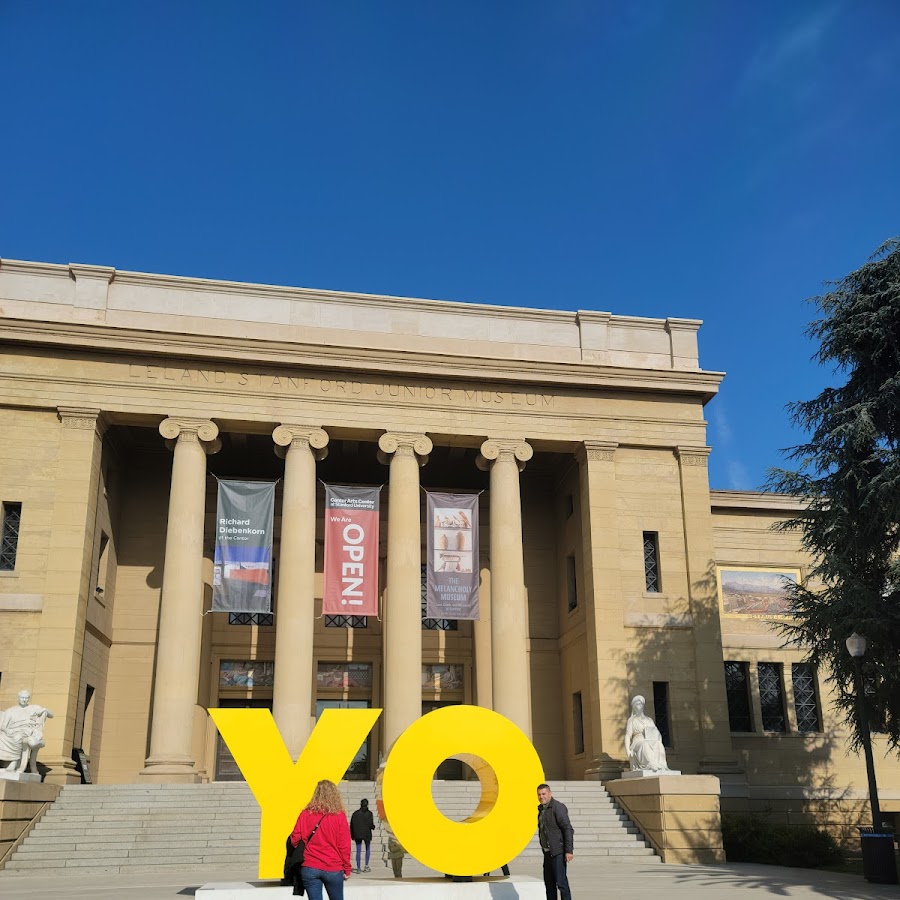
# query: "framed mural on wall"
{"type": "Point", "coordinates": [755, 590]}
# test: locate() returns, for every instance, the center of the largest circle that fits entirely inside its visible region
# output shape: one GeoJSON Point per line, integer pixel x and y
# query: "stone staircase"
{"type": "Point", "coordinates": [125, 829]}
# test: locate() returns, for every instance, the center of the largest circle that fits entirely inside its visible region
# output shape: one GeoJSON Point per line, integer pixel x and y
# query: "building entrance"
{"type": "Point", "coordinates": [449, 769]}
{"type": "Point", "coordinates": [359, 768]}
{"type": "Point", "coordinates": [226, 768]}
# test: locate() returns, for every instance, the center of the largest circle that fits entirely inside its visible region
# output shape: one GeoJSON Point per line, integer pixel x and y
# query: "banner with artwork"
{"type": "Point", "coordinates": [242, 567]}
{"type": "Point", "coordinates": [351, 551]}
{"type": "Point", "coordinates": [452, 570]}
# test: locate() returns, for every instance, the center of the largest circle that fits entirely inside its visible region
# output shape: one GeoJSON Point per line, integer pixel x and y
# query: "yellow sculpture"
{"type": "Point", "coordinates": [508, 768]}
{"type": "Point", "coordinates": [282, 787]}
{"type": "Point", "coordinates": [505, 761]}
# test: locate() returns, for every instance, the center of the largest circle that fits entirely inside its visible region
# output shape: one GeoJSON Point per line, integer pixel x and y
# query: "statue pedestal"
{"type": "Point", "coordinates": [520, 886]}
{"type": "Point", "coordinates": [646, 773]}
{"type": "Point", "coordinates": [33, 777]}
{"type": "Point", "coordinates": [678, 814]}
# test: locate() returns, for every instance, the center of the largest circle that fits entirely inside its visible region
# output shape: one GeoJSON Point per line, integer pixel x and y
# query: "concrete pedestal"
{"type": "Point", "coordinates": [644, 773]}
{"type": "Point", "coordinates": [21, 802]}
{"type": "Point", "coordinates": [518, 887]}
{"type": "Point", "coordinates": [31, 777]}
{"type": "Point", "coordinates": [678, 814]}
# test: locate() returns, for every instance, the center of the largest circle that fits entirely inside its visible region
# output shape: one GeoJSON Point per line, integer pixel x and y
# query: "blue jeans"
{"type": "Point", "coordinates": [313, 879]}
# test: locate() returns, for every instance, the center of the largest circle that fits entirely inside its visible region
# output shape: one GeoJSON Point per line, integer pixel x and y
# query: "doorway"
{"type": "Point", "coordinates": [359, 768]}
{"type": "Point", "coordinates": [226, 768]}
{"type": "Point", "coordinates": [449, 769]}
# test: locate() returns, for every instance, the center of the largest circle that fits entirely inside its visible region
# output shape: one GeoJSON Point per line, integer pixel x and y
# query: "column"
{"type": "Point", "coordinates": [717, 756]}
{"type": "Point", "coordinates": [70, 551]}
{"type": "Point", "coordinates": [181, 605]}
{"type": "Point", "coordinates": [509, 603]}
{"type": "Point", "coordinates": [403, 608]}
{"type": "Point", "coordinates": [604, 613]}
{"type": "Point", "coordinates": [484, 688]}
{"type": "Point", "coordinates": [292, 701]}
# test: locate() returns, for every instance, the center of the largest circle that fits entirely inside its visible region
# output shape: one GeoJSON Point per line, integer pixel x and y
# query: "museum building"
{"type": "Point", "coordinates": [608, 567]}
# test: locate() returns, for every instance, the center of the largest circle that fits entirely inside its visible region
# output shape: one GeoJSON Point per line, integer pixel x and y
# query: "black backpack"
{"type": "Point", "coordinates": [293, 860]}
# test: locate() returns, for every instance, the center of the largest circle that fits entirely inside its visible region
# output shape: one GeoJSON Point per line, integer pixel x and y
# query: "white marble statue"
{"type": "Point", "coordinates": [22, 735]}
{"type": "Point", "coordinates": [643, 742]}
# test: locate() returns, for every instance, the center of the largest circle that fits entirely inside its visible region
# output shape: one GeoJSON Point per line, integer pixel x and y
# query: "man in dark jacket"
{"type": "Point", "coordinates": [557, 841]}
{"type": "Point", "coordinates": [361, 827]}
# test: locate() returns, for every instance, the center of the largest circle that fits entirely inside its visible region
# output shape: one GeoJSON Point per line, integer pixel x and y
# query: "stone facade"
{"type": "Point", "coordinates": [121, 394]}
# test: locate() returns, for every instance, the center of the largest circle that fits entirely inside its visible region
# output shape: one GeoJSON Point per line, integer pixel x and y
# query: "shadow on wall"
{"type": "Point", "coordinates": [789, 762]}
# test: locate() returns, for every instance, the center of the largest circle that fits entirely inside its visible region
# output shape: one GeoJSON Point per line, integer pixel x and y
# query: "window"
{"type": "Point", "coordinates": [9, 535]}
{"type": "Point", "coordinates": [246, 673]}
{"type": "Point", "coordinates": [661, 711]}
{"type": "Point", "coordinates": [102, 567]}
{"type": "Point", "coordinates": [651, 562]}
{"type": "Point", "coordinates": [737, 689]}
{"type": "Point", "coordinates": [578, 722]}
{"type": "Point", "coordinates": [433, 624]}
{"type": "Point", "coordinates": [571, 582]}
{"type": "Point", "coordinates": [771, 696]}
{"type": "Point", "coordinates": [346, 621]}
{"type": "Point", "coordinates": [570, 506]}
{"type": "Point", "coordinates": [806, 707]}
{"type": "Point", "coordinates": [343, 675]}
{"type": "Point", "coordinates": [251, 619]}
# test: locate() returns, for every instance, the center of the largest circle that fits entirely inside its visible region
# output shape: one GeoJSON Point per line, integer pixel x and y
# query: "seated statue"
{"type": "Point", "coordinates": [643, 742]}
{"type": "Point", "coordinates": [22, 734]}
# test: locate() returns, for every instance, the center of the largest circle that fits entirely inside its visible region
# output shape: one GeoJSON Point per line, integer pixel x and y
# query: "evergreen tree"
{"type": "Point", "coordinates": [849, 471]}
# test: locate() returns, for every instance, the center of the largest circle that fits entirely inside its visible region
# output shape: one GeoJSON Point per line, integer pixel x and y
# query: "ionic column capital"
{"type": "Point", "coordinates": [403, 443]}
{"type": "Point", "coordinates": [177, 429]}
{"type": "Point", "coordinates": [311, 437]}
{"type": "Point", "coordinates": [503, 450]}
{"type": "Point", "coordinates": [596, 451]}
{"type": "Point", "coordinates": [693, 456]}
{"type": "Point", "coordinates": [82, 418]}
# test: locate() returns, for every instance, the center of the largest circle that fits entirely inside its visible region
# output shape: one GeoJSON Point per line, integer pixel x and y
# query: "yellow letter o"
{"type": "Point", "coordinates": [508, 769]}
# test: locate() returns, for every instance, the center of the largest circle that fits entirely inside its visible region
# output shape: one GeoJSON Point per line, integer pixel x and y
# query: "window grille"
{"type": "Point", "coordinates": [251, 619]}
{"type": "Point", "coordinates": [737, 690]}
{"type": "Point", "coordinates": [661, 711]}
{"type": "Point", "coordinates": [651, 562]}
{"type": "Point", "coordinates": [771, 696]}
{"type": "Point", "coordinates": [346, 621]}
{"type": "Point", "coordinates": [578, 722]}
{"type": "Point", "coordinates": [572, 582]}
{"type": "Point", "coordinates": [805, 704]}
{"type": "Point", "coordinates": [433, 624]}
{"type": "Point", "coordinates": [9, 538]}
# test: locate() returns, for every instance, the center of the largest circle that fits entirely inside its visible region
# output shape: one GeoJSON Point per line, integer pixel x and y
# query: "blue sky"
{"type": "Point", "coordinates": [681, 158]}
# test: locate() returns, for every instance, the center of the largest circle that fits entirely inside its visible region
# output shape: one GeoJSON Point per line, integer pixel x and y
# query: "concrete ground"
{"type": "Point", "coordinates": [621, 881]}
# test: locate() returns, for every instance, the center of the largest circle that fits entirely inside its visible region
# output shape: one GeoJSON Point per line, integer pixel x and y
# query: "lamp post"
{"type": "Point", "coordinates": [856, 645]}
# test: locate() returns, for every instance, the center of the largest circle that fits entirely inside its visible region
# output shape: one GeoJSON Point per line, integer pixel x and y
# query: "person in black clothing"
{"type": "Point", "coordinates": [557, 841]}
{"type": "Point", "coordinates": [361, 827]}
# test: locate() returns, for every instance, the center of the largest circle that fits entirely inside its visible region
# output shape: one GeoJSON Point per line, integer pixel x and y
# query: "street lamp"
{"type": "Point", "coordinates": [856, 645]}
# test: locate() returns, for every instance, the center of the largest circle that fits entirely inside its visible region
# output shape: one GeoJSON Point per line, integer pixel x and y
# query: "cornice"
{"type": "Point", "coordinates": [140, 342]}
{"type": "Point", "coordinates": [219, 286]}
{"type": "Point", "coordinates": [755, 500]}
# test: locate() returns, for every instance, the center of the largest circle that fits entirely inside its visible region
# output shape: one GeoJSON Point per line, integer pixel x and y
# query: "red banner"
{"type": "Point", "coordinates": [351, 551]}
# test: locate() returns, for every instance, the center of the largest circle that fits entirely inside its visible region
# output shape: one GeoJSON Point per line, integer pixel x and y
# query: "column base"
{"type": "Point", "coordinates": [61, 770]}
{"type": "Point", "coordinates": [605, 768]}
{"type": "Point", "coordinates": [169, 771]}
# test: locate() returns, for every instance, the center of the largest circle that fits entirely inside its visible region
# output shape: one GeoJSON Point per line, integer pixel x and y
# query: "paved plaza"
{"type": "Point", "coordinates": [622, 881]}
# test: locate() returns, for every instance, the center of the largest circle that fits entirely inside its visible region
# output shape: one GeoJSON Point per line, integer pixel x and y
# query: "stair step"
{"type": "Point", "coordinates": [119, 829]}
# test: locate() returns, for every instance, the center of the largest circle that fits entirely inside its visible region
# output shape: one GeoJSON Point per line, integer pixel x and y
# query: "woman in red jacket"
{"type": "Point", "coordinates": [323, 826]}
